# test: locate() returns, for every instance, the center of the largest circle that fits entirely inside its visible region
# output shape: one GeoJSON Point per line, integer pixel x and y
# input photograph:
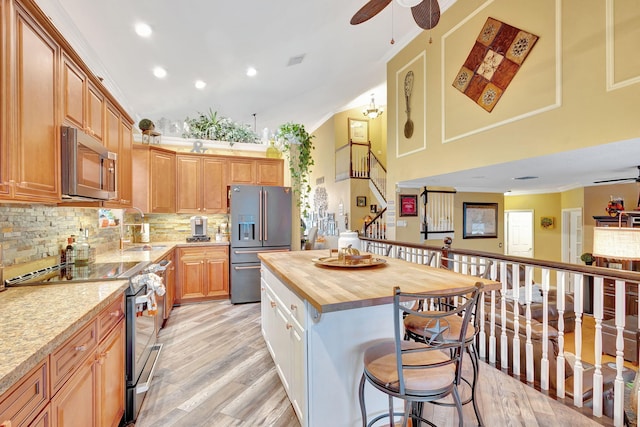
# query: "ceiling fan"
{"type": "Point", "coordinates": [426, 13]}
{"type": "Point", "coordinates": [636, 179]}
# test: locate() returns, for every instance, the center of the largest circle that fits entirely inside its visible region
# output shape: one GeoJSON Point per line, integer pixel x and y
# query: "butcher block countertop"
{"type": "Point", "coordinates": [334, 288]}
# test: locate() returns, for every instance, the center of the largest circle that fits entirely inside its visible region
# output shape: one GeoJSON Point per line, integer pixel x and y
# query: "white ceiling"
{"type": "Point", "coordinates": [216, 41]}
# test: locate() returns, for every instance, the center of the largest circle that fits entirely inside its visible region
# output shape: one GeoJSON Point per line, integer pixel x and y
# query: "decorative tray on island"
{"type": "Point", "coordinates": [349, 261]}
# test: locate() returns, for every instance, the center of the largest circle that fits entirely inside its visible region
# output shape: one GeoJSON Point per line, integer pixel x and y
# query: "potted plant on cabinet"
{"type": "Point", "coordinates": [297, 143]}
{"type": "Point", "coordinates": [587, 258]}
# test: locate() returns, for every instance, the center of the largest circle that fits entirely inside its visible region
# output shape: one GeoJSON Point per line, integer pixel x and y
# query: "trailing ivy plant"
{"type": "Point", "coordinates": [297, 142]}
{"type": "Point", "coordinates": [217, 128]}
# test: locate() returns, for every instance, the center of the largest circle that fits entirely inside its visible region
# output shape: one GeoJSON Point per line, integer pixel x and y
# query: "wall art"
{"type": "Point", "coordinates": [408, 205]}
{"type": "Point", "coordinates": [495, 58]}
{"type": "Point", "coordinates": [480, 220]}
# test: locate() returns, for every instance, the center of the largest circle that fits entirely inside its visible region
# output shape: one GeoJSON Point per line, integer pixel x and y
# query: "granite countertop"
{"type": "Point", "coordinates": [337, 288]}
{"type": "Point", "coordinates": [35, 320]}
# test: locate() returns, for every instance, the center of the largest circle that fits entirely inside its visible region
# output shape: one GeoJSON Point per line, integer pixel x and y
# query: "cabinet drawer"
{"type": "Point", "coordinates": [66, 359]}
{"type": "Point", "coordinates": [22, 403]}
{"type": "Point", "coordinates": [109, 317]}
{"type": "Point", "coordinates": [292, 303]}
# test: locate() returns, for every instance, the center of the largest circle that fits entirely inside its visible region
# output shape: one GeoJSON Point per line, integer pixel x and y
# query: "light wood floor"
{"type": "Point", "coordinates": [215, 370]}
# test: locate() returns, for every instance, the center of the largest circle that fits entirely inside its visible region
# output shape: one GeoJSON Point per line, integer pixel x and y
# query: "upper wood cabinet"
{"type": "Point", "coordinates": [201, 184]}
{"type": "Point", "coordinates": [154, 177]}
{"type": "Point", "coordinates": [242, 171]}
{"type": "Point", "coordinates": [45, 84]}
{"type": "Point", "coordinates": [269, 172]}
{"type": "Point", "coordinates": [74, 85]}
{"type": "Point", "coordinates": [256, 171]}
{"type": "Point", "coordinates": [32, 134]}
{"type": "Point", "coordinates": [119, 139]}
{"type": "Point", "coordinates": [95, 112]}
{"type": "Point", "coordinates": [125, 164]}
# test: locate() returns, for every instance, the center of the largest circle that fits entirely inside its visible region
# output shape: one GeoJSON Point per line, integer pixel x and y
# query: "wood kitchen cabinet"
{"type": "Point", "coordinates": [30, 131]}
{"type": "Point", "coordinates": [88, 373]}
{"type": "Point", "coordinates": [95, 112]}
{"type": "Point", "coordinates": [203, 273]}
{"type": "Point", "coordinates": [201, 184]}
{"type": "Point", "coordinates": [23, 401]}
{"type": "Point", "coordinates": [256, 171]}
{"type": "Point", "coordinates": [74, 90]}
{"type": "Point", "coordinates": [269, 172]}
{"type": "Point", "coordinates": [119, 139]}
{"type": "Point", "coordinates": [45, 84]}
{"type": "Point", "coordinates": [154, 175]}
{"type": "Point", "coordinates": [85, 376]}
{"type": "Point", "coordinates": [170, 284]}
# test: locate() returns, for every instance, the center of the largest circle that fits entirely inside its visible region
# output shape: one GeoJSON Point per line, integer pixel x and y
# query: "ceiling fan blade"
{"type": "Point", "coordinates": [426, 14]}
{"type": "Point", "coordinates": [368, 11]}
{"type": "Point", "coordinates": [615, 180]}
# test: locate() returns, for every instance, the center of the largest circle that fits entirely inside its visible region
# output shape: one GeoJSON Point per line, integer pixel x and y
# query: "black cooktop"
{"type": "Point", "coordinates": [76, 273]}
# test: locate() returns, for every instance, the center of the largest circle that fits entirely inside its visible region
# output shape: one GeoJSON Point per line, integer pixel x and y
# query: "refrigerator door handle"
{"type": "Point", "coordinates": [260, 210]}
{"type": "Point", "coordinates": [266, 216]}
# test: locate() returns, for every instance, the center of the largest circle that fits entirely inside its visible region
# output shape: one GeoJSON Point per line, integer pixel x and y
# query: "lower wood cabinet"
{"type": "Point", "coordinates": [169, 284]}
{"type": "Point", "coordinates": [203, 273]}
{"type": "Point", "coordinates": [22, 402]}
{"type": "Point", "coordinates": [87, 374]}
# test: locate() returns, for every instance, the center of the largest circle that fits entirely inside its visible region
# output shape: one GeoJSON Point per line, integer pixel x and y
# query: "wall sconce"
{"type": "Point", "coordinates": [372, 111]}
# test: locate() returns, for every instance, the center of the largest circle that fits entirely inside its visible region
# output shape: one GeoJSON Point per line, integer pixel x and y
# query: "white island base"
{"type": "Point", "coordinates": [319, 358]}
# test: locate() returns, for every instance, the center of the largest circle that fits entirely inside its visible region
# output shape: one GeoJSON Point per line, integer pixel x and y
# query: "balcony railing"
{"type": "Point", "coordinates": [540, 306]}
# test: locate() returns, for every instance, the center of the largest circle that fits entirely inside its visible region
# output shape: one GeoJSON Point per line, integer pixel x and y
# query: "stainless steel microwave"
{"type": "Point", "coordinates": [88, 168]}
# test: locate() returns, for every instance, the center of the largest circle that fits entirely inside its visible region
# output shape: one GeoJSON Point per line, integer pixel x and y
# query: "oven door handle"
{"type": "Point", "coordinates": [145, 383]}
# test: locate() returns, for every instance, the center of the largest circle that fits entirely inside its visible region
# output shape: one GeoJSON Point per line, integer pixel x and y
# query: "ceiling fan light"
{"type": "Point", "coordinates": [408, 3]}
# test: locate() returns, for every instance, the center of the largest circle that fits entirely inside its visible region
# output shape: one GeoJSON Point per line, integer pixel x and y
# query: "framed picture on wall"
{"type": "Point", "coordinates": [361, 201]}
{"type": "Point", "coordinates": [359, 130]}
{"type": "Point", "coordinates": [408, 205]}
{"type": "Point", "coordinates": [479, 220]}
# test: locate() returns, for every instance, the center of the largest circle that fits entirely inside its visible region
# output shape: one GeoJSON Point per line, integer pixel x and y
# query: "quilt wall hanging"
{"type": "Point", "coordinates": [497, 55]}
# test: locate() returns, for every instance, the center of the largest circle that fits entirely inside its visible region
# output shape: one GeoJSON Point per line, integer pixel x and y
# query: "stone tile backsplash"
{"type": "Point", "coordinates": [32, 232]}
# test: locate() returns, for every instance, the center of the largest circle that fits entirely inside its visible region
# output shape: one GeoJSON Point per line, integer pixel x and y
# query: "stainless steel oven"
{"type": "Point", "coordinates": [144, 319]}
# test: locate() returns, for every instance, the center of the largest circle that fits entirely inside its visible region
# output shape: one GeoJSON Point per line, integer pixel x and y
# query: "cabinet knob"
{"type": "Point", "coordinates": [82, 347]}
{"type": "Point", "coordinates": [273, 304]}
{"type": "Point", "coordinates": [115, 313]}
{"type": "Point", "coordinates": [289, 326]}
{"type": "Point", "coordinates": [294, 307]}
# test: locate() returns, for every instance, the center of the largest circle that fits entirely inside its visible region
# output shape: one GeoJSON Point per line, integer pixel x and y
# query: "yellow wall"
{"type": "Point", "coordinates": [560, 100]}
{"type": "Point", "coordinates": [546, 241]}
{"type": "Point", "coordinates": [334, 133]}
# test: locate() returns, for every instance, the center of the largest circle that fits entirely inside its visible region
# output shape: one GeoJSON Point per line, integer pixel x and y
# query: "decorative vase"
{"type": "Point", "coordinates": [272, 151]}
{"type": "Point", "coordinates": [633, 398]}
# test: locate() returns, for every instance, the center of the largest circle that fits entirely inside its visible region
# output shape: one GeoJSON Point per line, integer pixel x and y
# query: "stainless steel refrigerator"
{"type": "Point", "coordinates": [261, 222]}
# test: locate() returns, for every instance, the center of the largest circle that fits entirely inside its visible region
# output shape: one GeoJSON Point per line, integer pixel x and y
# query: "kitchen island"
{"type": "Point", "coordinates": [317, 321]}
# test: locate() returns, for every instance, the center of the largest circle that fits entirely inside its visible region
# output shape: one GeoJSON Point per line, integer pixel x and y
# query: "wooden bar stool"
{"type": "Point", "coordinates": [419, 372]}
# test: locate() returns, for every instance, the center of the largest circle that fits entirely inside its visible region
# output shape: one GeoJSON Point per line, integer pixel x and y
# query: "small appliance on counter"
{"type": "Point", "coordinates": [198, 229]}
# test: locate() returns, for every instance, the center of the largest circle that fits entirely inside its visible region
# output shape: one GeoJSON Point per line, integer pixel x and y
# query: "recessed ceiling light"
{"type": "Point", "coordinates": [143, 29]}
{"type": "Point", "coordinates": [200, 84]}
{"type": "Point", "coordinates": [251, 71]}
{"type": "Point", "coordinates": [160, 72]}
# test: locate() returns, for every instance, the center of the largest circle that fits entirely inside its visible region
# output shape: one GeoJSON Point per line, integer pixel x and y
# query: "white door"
{"type": "Point", "coordinates": [519, 233]}
{"type": "Point", "coordinates": [572, 235]}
